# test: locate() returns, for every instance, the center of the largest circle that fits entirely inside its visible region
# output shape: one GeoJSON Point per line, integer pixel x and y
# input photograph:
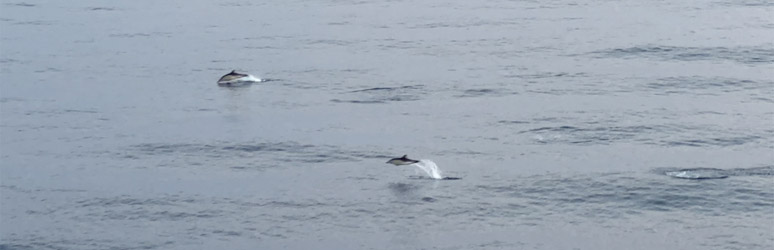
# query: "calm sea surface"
{"type": "Point", "coordinates": [566, 121]}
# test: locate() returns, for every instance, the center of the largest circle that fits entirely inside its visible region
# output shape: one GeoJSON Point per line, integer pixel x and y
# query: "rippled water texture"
{"type": "Point", "coordinates": [559, 124]}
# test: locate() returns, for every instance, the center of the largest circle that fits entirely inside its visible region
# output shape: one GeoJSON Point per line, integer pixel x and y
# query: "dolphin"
{"type": "Point", "coordinates": [401, 161]}
{"type": "Point", "coordinates": [237, 79]}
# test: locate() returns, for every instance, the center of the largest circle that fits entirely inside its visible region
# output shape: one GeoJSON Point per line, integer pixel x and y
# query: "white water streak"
{"type": "Point", "coordinates": [430, 168]}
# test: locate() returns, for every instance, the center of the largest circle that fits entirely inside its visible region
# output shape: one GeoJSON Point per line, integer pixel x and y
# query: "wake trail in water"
{"type": "Point", "coordinates": [430, 168]}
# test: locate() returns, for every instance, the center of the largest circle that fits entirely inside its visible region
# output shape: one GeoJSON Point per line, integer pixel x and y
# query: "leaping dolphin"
{"type": "Point", "coordinates": [404, 160]}
{"type": "Point", "coordinates": [237, 79]}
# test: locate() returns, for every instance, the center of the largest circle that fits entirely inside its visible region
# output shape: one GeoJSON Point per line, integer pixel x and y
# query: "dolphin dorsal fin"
{"type": "Point", "coordinates": [404, 156]}
{"type": "Point", "coordinates": [233, 71]}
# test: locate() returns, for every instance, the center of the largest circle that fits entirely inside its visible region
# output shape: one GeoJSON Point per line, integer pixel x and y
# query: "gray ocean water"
{"type": "Point", "coordinates": [567, 123]}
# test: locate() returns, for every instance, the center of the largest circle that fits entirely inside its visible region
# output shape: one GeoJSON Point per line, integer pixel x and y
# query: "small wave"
{"type": "Point", "coordinates": [292, 152]}
{"type": "Point", "coordinates": [757, 171]}
{"type": "Point", "coordinates": [486, 92]}
{"type": "Point", "coordinates": [21, 4]}
{"type": "Point", "coordinates": [12, 61]}
{"type": "Point", "coordinates": [715, 173]}
{"type": "Point", "coordinates": [719, 141]}
{"type": "Point", "coordinates": [462, 24]}
{"type": "Point", "coordinates": [237, 4]}
{"type": "Point", "coordinates": [176, 208]}
{"type": "Point", "coordinates": [590, 135]}
{"type": "Point", "coordinates": [23, 190]}
{"type": "Point", "coordinates": [512, 122]}
{"type": "Point", "coordinates": [397, 98]}
{"type": "Point", "coordinates": [747, 55]}
{"type": "Point", "coordinates": [705, 85]}
{"type": "Point", "coordinates": [387, 89]}
{"type": "Point", "coordinates": [126, 201]}
{"type": "Point", "coordinates": [336, 42]}
{"type": "Point", "coordinates": [168, 148]}
{"type": "Point", "coordinates": [547, 75]}
{"type": "Point", "coordinates": [746, 3]}
{"type": "Point", "coordinates": [621, 194]}
{"type": "Point", "coordinates": [35, 23]}
{"type": "Point", "coordinates": [698, 173]}
{"type": "Point", "coordinates": [384, 95]}
{"type": "Point", "coordinates": [672, 135]}
{"type": "Point", "coordinates": [358, 101]}
{"type": "Point", "coordinates": [13, 246]}
{"type": "Point", "coordinates": [140, 34]}
{"type": "Point", "coordinates": [80, 111]}
{"type": "Point", "coordinates": [101, 9]}
{"type": "Point", "coordinates": [165, 208]}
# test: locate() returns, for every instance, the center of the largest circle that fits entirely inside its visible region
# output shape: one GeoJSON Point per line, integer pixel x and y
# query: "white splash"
{"type": "Point", "coordinates": [430, 168]}
{"type": "Point", "coordinates": [698, 173]}
{"type": "Point", "coordinates": [242, 81]}
{"type": "Point", "coordinates": [251, 78]}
